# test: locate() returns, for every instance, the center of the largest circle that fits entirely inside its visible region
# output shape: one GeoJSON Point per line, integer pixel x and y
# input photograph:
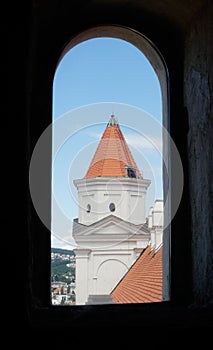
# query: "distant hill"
{"type": "Point", "coordinates": [62, 251]}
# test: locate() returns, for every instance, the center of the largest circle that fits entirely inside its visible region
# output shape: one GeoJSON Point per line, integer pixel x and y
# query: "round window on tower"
{"type": "Point", "coordinates": [88, 208]}
{"type": "Point", "coordinates": [112, 207]}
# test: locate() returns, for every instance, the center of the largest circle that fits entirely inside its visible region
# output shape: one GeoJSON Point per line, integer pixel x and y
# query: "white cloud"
{"type": "Point", "coordinates": [95, 135]}
{"type": "Point", "coordinates": [148, 142]}
{"type": "Point", "coordinates": [63, 242]}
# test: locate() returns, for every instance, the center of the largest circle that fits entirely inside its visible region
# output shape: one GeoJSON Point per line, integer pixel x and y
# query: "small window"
{"type": "Point", "coordinates": [112, 207]}
{"type": "Point", "coordinates": [88, 208]}
{"type": "Point", "coordinates": [131, 172]}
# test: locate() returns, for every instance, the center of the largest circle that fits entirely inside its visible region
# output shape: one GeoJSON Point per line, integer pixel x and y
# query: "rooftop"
{"type": "Point", "coordinates": [143, 282]}
{"type": "Point", "coordinates": [113, 157]}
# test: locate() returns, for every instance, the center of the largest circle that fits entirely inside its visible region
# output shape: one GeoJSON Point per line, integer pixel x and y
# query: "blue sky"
{"type": "Point", "coordinates": [93, 80]}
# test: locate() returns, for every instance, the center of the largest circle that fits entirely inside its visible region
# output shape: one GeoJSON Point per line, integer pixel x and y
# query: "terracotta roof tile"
{"type": "Point", "coordinates": [143, 282]}
{"type": "Point", "coordinates": [112, 154]}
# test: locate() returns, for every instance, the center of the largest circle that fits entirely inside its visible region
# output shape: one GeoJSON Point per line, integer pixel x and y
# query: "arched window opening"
{"type": "Point", "coordinates": [112, 207]}
{"type": "Point", "coordinates": [114, 146]}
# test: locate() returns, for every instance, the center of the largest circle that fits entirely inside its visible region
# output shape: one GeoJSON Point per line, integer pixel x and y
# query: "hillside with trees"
{"type": "Point", "coordinates": [62, 266]}
{"type": "Point", "coordinates": [62, 251]}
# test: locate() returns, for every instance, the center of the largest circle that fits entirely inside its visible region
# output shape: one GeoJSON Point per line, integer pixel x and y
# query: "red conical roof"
{"type": "Point", "coordinates": [113, 157]}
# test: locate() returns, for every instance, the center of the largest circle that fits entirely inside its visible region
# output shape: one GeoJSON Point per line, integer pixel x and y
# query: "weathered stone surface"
{"type": "Point", "coordinates": [198, 99]}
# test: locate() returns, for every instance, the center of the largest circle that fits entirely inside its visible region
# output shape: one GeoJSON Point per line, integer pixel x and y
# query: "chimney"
{"type": "Point", "coordinates": [155, 224]}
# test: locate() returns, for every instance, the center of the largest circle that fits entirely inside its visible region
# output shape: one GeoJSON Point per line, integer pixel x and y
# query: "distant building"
{"type": "Point", "coordinates": [112, 232]}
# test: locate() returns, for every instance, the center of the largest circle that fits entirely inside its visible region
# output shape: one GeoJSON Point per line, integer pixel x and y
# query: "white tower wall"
{"type": "Point", "coordinates": [101, 261]}
{"type": "Point", "coordinates": [128, 196]}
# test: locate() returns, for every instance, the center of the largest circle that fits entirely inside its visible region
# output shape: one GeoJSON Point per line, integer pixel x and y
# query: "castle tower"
{"type": "Point", "coordinates": [111, 229]}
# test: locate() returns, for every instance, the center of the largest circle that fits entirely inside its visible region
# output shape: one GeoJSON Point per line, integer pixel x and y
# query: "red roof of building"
{"type": "Point", "coordinates": [143, 282]}
{"type": "Point", "coordinates": [112, 157]}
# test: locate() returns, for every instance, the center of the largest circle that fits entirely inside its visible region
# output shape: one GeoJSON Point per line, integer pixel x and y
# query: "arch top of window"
{"type": "Point", "coordinates": [135, 38]}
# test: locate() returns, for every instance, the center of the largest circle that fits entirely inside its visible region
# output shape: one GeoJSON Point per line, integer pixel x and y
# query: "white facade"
{"type": "Point", "coordinates": [109, 242]}
{"type": "Point", "coordinates": [102, 196]}
{"type": "Point", "coordinates": [106, 250]}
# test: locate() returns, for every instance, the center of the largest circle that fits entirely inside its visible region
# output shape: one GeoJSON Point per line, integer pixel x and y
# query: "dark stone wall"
{"type": "Point", "coordinates": [198, 88]}
{"type": "Point", "coordinates": [182, 31]}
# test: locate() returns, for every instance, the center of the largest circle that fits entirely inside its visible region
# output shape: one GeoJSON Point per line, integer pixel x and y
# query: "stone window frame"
{"type": "Point", "coordinates": [39, 306]}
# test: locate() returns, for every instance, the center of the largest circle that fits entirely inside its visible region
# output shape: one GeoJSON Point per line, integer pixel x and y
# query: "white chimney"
{"type": "Point", "coordinates": [150, 217]}
{"type": "Point", "coordinates": [155, 224]}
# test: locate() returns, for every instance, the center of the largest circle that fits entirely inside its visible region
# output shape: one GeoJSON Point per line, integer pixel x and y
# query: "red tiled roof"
{"type": "Point", "coordinates": [112, 154]}
{"type": "Point", "coordinates": [143, 282]}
